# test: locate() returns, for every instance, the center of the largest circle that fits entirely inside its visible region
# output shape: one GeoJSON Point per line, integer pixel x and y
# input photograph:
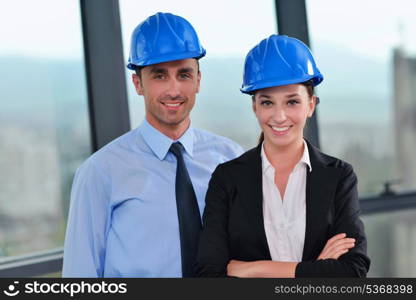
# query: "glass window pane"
{"type": "Point", "coordinates": [228, 30]}
{"type": "Point", "coordinates": [368, 97]}
{"type": "Point", "coordinates": [44, 130]}
{"type": "Point", "coordinates": [391, 243]}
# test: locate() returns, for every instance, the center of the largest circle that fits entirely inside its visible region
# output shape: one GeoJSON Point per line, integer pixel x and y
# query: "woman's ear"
{"type": "Point", "coordinates": [253, 103]}
{"type": "Point", "coordinates": [312, 105]}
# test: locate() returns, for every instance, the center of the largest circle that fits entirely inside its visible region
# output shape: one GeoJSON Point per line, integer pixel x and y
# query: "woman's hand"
{"type": "Point", "coordinates": [261, 269]}
{"type": "Point", "coordinates": [238, 268]}
{"type": "Point", "coordinates": [337, 246]}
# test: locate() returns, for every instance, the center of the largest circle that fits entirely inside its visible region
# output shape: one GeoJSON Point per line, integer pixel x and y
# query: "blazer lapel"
{"type": "Point", "coordinates": [320, 190]}
{"type": "Point", "coordinates": [252, 196]}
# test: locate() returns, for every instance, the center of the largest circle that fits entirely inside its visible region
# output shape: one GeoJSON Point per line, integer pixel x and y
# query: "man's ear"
{"type": "Point", "coordinates": [137, 84]}
{"type": "Point", "coordinates": [199, 81]}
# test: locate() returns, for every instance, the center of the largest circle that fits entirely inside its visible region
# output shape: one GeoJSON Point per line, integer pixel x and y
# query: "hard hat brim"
{"type": "Point", "coordinates": [251, 88]}
{"type": "Point", "coordinates": [165, 58]}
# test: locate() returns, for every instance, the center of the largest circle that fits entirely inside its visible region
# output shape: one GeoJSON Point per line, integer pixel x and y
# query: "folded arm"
{"type": "Point", "coordinates": [334, 248]}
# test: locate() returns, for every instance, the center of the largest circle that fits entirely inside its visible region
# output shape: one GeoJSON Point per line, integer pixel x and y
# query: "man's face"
{"type": "Point", "coordinates": [169, 91]}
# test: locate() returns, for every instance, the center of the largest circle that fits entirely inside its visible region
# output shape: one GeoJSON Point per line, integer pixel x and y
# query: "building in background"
{"type": "Point", "coordinates": [404, 103]}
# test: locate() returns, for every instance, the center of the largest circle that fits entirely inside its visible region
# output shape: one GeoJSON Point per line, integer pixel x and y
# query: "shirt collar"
{"type": "Point", "coordinates": [265, 164]}
{"type": "Point", "coordinates": [160, 143]}
{"type": "Point", "coordinates": [304, 159]}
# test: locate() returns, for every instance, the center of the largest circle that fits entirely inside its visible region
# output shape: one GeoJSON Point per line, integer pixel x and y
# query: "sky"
{"type": "Point", "coordinates": [52, 28]}
{"type": "Point", "coordinates": [42, 28]}
{"type": "Point", "coordinates": [370, 27]}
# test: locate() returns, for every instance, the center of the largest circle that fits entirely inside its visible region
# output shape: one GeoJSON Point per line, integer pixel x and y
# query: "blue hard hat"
{"type": "Point", "coordinates": [163, 37]}
{"type": "Point", "coordinates": [279, 60]}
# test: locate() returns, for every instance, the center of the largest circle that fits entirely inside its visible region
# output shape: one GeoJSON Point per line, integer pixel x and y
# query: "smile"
{"type": "Point", "coordinates": [171, 105]}
{"type": "Point", "coordinates": [280, 130]}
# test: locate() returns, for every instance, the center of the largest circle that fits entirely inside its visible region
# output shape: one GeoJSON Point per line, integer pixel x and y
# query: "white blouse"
{"type": "Point", "coordinates": [285, 220]}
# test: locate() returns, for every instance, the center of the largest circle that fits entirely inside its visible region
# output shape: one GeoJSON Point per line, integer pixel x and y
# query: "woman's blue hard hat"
{"type": "Point", "coordinates": [279, 60]}
{"type": "Point", "coordinates": [163, 37]}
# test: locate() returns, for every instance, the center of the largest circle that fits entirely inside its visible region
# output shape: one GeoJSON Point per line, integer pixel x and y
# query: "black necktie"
{"type": "Point", "coordinates": [188, 213]}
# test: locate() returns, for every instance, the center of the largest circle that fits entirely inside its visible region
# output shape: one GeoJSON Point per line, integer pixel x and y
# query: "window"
{"type": "Point", "coordinates": [367, 114]}
{"type": "Point", "coordinates": [44, 128]}
{"type": "Point", "coordinates": [391, 243]}
{"type": "Point", "coordinates": [368, 97]}
{"type": "Point", "coordinates": [227, 34]}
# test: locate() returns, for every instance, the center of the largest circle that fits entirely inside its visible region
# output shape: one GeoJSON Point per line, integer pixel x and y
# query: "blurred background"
{"type": "Point", "coordinates": [62, 73]}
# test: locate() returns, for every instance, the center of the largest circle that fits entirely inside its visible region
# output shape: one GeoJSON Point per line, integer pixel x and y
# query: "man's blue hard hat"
{"type": "Point", "coordinates": [163, 37]}
{"type": "Point", "coordinates": [279, 60]}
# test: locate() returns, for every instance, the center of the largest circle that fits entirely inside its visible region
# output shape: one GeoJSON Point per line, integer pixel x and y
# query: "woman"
{"type": "Point", "coordinates": [282, 209]}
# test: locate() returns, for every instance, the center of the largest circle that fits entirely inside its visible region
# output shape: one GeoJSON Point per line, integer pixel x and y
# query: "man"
{"type": "Point", "coordinates": [136, 204]}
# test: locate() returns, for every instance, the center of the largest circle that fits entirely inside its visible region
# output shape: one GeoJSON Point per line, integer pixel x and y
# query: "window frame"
{"type": "Point", "coordinates": [109, 113]}
{"type": "Point", "coordinates": [107, 104]}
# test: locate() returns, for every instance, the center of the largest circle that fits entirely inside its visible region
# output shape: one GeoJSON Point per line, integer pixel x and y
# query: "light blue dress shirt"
{"type": "Point", "coordinates": [123, 220]}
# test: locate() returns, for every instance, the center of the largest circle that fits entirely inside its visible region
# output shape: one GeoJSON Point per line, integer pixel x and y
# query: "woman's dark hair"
{"type": "Point", "coordinates": [309, 88]}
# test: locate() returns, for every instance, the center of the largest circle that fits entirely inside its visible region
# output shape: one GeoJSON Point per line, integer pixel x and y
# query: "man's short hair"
{"type": "Point", "coordinates": [138, 69]}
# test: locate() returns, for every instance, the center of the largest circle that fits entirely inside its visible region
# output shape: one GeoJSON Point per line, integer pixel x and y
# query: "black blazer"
{"type": "Point", "coordinates": [233, 225]}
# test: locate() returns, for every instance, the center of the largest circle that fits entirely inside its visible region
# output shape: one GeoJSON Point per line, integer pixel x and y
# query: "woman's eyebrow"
{"type": "Point", "coordinates": [264, 96]}
{"type": "Point", "coordinates": [292, 95]}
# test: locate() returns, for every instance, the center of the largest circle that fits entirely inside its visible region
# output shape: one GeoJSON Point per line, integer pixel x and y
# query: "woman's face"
{"type": "Point", "coordinates": [282, 112]}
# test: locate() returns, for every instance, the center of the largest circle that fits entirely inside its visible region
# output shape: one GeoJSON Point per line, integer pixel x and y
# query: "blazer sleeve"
{"type": "Point", "coordinates": [355, 262]}
{"type": "Point", "coordinates": [213, 252]}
